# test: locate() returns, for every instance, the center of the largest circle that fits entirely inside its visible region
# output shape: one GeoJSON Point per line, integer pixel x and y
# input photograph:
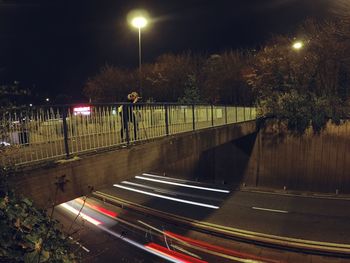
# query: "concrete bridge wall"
{"type": "Point", "coordinates": [179, 154]}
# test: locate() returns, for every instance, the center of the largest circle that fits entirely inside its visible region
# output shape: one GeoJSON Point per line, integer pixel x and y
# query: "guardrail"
{"type": "Point", "coordinates": [47, 133]}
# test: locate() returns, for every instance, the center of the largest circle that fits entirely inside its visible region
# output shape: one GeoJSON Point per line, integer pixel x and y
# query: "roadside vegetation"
{"type": "Point", "coordinates": [27, 234]}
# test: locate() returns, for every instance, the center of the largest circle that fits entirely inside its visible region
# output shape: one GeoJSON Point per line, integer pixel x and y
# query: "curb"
{"type": "Point", "coordinates": [296, 194]}
{"type": "Point", "coordinates": [309, 246]}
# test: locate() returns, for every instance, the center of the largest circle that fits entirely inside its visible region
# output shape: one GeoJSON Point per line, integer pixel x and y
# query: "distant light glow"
{"type": "Point", "coordinates": [298, 45]}
{"type": "Point", "coordinates": [86, 110]}
{"type": "Point", "coordinates": [47, 99]}
{"type": "Point", "coordinates": [30, 105]}
{"type": "Point", "coordinates": [84, 216]}
{"type": "Point", "coordinates": [183, 185]}
{"type": "Point", "coordinates": [139, 22]}
{"type": "Point", "coordinates": [166, 197]}
{"type": "Point", "coordinates": [138, 18]}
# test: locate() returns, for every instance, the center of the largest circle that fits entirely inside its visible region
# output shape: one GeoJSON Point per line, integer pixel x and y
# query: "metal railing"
{"type": "Point", "coordinates": [47, 133]}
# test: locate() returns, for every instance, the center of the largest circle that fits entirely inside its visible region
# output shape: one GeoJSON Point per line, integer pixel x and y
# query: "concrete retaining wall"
{"type": "Point", "coordinates": [316, 163]}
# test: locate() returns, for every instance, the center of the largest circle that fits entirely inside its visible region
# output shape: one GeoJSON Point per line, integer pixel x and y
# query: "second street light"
{"type": "Point", "coordinates": [297, 45]}
{"type": "Point", "coordinates": [139, 22]}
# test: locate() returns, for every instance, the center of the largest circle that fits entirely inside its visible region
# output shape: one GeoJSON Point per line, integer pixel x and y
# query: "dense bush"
{"type": "Point", "coordinates": [27, 231]}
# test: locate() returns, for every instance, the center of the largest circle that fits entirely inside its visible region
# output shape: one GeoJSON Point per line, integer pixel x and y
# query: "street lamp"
{"type": "Point", "coordinates": [297, 45]}
{"type": "Point", "coordinates": [139, 22]}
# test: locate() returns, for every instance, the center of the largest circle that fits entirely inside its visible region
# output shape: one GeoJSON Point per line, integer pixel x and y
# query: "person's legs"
{"type": "Point", "coordinates": [124, 128]}
{"type": "Point", "coordinates": [135, 128]}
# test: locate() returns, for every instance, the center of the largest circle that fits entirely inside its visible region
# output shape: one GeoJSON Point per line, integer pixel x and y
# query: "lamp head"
{"type": "Point", "coordinates": [138, 18]}
{"type": "Point", "coordinates": [298, 45]}
{"type": "Point", "coordinates": [139, 22]}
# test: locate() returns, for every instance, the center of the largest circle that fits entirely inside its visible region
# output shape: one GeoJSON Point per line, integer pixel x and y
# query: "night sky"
{"type": "Point", "coordinates": [54, 46]}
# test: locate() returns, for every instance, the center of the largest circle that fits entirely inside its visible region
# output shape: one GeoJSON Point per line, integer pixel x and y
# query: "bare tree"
{"type": "Point", "coordinates": [111, 84]}
{"type": "Point", "coordinates": [222, 78]}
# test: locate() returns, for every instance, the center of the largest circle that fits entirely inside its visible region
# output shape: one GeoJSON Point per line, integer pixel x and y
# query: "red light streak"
{"type": "Point", "coordinates": [98, 208]}
{"type": "Point", "coordinates": [173, 254]}
{"type": "Point", "coordinates": [218, 249]}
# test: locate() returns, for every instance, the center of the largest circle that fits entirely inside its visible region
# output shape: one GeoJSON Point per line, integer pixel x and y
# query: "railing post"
{"type": "Point", "coordinates": [129, 118]}
{"type": "Point", "coordinates": [193, 116]}
{"type": "Point", "coordinates": [244, 114]}
{"type": "Point", "coordinates": [166, 120]}
{"type": "Point", "coordinates": [212, 115]}
{"type": "Point", "coordinates": [236, 114]}
{"type": "Point", "coordinates": [65, 131]}
{"type": "Point", "coordinates": [225, 114]}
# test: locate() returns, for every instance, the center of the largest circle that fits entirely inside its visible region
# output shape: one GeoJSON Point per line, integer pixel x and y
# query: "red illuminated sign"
{"type": "Point", "coordinates": [86, 110]}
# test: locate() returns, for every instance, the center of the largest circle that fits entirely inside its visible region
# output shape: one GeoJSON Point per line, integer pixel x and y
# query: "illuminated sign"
{"type": "Point", "coordinates": [82, 111]}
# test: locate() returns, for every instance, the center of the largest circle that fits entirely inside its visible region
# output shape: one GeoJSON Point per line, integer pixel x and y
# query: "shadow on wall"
{"type": "Point", "coordinates": [224, 166]}
{"type": "Point", "coordinates": [228, 163]}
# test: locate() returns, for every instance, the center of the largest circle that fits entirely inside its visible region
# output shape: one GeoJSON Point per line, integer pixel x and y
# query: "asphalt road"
{"type": "Point", "coordinates": [318, 219]}
{"type": "Point", "coordinates": [123, 235]}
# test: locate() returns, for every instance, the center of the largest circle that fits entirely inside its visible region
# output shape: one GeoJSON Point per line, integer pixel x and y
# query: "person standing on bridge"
{"type": "Point", "coordinates": [129, 115]}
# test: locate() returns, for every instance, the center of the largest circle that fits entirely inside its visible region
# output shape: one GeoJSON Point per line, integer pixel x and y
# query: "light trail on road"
{"type": "Point", "coordinates": [182, 185]}
{"type": "Point", "coordinates": [197, 250]}
{"type": "Point", "coordinates": [97, 208]}
{"type": "Point", "coordinates": [98, 224]}
{"type": "Point", "coordinates": [166, 197]}
{"type": "Point", "coordinates": [171, 192]}
{"type": "Point", "coordinates": [173, 254]}
{"type": "Point", "coordinates": [210, 248]}
{"type": "Point", "coordinates": [84, 216]}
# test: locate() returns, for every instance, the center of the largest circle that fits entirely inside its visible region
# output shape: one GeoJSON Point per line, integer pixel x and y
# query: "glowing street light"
{"type": "Point", "coordinates": [297, 45]}
{"type": "Point", "coordinates": [138, 19]}
{"type": "Point", "coordinates": [139, 22]}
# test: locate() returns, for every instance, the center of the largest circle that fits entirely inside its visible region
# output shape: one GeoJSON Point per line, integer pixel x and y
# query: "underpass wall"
{"type": "Point", "coordinates": [60, 182]}
{"type": "Point", "coordinates": [222, 164]}
{"type": "Point", "coordinates": [310, 163]}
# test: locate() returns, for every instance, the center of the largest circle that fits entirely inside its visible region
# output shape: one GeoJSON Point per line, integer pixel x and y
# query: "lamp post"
{"type": "Point", "coordinates": [139, 22]}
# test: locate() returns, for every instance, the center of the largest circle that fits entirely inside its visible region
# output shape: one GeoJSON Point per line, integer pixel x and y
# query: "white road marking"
{"type": "Point", "coordinates": [183, 185]}
{"type": "Point", "coordinates": [79, 244]}
{"type": "Point", "coordinates": [270, 210]}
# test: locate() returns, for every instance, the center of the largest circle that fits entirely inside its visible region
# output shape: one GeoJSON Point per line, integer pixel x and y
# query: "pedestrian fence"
{"type": "Point", "coordinates": [37, 134]}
